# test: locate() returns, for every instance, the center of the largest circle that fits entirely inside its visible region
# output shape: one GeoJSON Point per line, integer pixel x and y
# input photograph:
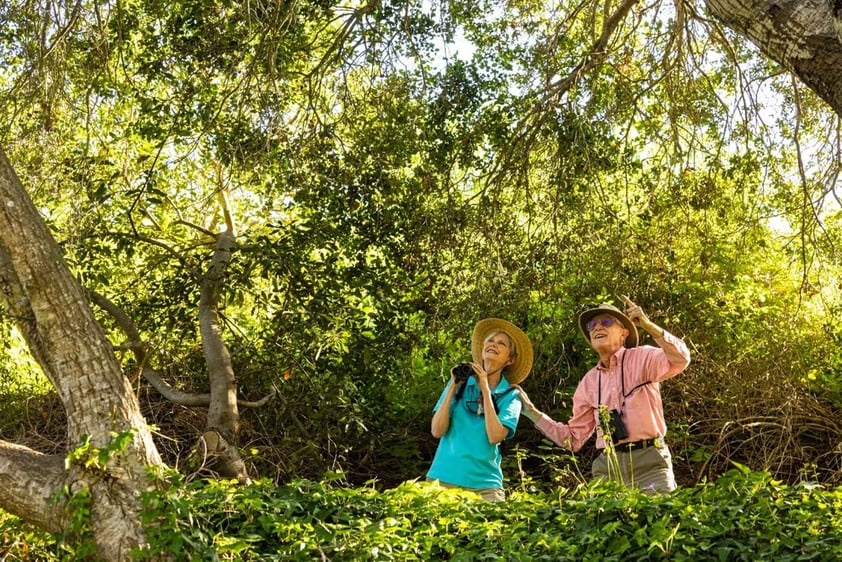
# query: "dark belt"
{"type": "Point", "coordinates": [656, 442]}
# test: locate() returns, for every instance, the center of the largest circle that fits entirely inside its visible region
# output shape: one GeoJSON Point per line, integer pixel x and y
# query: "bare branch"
{"type": "Point", "coordinates": [593, 57]}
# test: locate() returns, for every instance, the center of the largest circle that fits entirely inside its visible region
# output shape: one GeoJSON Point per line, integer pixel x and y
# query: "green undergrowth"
{"type": "Point", "coordinates": [742, 516]}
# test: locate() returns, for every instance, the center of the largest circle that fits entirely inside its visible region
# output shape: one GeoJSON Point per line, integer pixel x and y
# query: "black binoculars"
{"type": "Point", "coordinates": [462, 371]}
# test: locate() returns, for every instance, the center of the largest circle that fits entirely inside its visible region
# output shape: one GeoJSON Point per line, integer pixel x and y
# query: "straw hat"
{"type": "Point", "coordinates": [517, 371]}
{"type": "Point", "coordinates": [605, 308]}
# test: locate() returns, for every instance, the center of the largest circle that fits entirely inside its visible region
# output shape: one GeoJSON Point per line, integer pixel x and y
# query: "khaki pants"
{"type": "Point", "coordinates": [487, 494]}
{"type": "Point", "coordinates": [650, 469]}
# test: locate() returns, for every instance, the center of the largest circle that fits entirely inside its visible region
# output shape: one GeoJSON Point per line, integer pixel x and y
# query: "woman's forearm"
{"type": "Point", "coordinates": [441, 419]}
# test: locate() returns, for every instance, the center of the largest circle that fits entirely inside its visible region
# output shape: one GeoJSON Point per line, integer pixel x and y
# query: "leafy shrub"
{"type": "Point", "coordinates": [743, 516]}
{"type": "Point", "coordinates": [21, 541]}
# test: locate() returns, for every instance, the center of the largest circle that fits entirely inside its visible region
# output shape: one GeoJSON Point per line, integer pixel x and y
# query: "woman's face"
{"type": "Point", "coordinates": [497, 352]}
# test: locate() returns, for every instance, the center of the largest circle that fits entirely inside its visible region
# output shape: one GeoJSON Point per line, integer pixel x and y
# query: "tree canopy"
{"type": "Point", "coordinates": [287, 217]}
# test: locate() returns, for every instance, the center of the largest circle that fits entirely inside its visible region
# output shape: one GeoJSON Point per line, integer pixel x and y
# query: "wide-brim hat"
{"type": "Point", "coordinates": [605, 308]}
{"type": "Point", "coordinates": [517, 371]}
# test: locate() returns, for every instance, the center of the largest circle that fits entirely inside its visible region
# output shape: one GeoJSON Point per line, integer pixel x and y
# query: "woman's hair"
{"type": "Point", "coordinates": [512, 348]}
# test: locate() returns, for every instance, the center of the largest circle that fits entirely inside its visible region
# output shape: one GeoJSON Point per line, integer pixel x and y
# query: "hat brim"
{"type": "Point", "coordinates": [517, 371]}
{"type": "Point", "coordinates": [585, 317]}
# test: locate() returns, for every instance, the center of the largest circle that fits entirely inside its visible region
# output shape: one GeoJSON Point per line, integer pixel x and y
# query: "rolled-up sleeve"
{"type": "Point", "coordinates": [674, 359]}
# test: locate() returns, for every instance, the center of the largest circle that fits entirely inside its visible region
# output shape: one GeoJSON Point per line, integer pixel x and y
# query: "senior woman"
{"type": "Point", "coordinates": [478, 409]}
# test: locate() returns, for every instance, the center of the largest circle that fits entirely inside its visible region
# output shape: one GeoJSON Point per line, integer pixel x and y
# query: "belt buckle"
{"type": "Point", "coordinates": [658, 443]}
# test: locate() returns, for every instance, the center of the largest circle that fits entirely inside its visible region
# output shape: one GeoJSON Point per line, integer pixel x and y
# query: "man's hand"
{"type": "Point", "coordinates": [639, 318]}
{"type": "Point", "coordinates": [529, 409]}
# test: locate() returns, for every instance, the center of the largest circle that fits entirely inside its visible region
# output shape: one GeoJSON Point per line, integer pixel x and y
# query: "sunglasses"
{"type": "Point", "coordinates": [605, 322]}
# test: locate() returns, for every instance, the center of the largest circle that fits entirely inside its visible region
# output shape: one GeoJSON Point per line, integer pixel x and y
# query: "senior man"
{"type": "Point", "coordinates": [626, 383]}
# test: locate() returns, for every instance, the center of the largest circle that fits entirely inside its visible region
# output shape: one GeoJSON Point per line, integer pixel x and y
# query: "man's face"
{"type": "Point", "coordinates": [607, 334]}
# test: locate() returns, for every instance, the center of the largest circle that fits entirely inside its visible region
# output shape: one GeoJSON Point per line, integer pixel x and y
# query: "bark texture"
{"type": "Point", "coordinates": [52, 311]}
{"type": "Point", "coordinates": [803, 36]}
{"type": "Point", "coordinates": [28, 481]}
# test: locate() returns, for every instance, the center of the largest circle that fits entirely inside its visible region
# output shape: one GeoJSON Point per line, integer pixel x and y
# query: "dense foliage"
{"type": "Point", "coordinates": [387, 193]}
{"type": "Point", "coordinates": [742, 516]}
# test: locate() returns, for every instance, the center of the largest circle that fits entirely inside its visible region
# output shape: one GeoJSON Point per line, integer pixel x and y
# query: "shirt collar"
{"type": "Point", "coordinates": [501, 387]}
{"type": "Point", "coordinates": [615, 359]}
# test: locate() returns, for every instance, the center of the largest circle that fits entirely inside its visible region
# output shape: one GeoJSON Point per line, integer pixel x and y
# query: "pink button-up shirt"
{"type": "Point", "coordinates": [642, 412]}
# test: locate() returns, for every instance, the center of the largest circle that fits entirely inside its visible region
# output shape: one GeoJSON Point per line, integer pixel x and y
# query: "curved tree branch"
{"type": "Point", "coordinates": [139, 348]}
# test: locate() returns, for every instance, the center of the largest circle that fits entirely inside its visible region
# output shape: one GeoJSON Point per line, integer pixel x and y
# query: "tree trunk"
{"type": "Point", "coordinates": [800, 35]}
{"type": "Point", "coordinates": [218, 445]}
{"type": "Point", "coordinates": [53, 314]}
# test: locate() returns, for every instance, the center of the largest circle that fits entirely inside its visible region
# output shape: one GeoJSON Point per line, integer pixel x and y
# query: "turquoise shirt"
{"type": "Point", "coordinates": [464, 456]}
